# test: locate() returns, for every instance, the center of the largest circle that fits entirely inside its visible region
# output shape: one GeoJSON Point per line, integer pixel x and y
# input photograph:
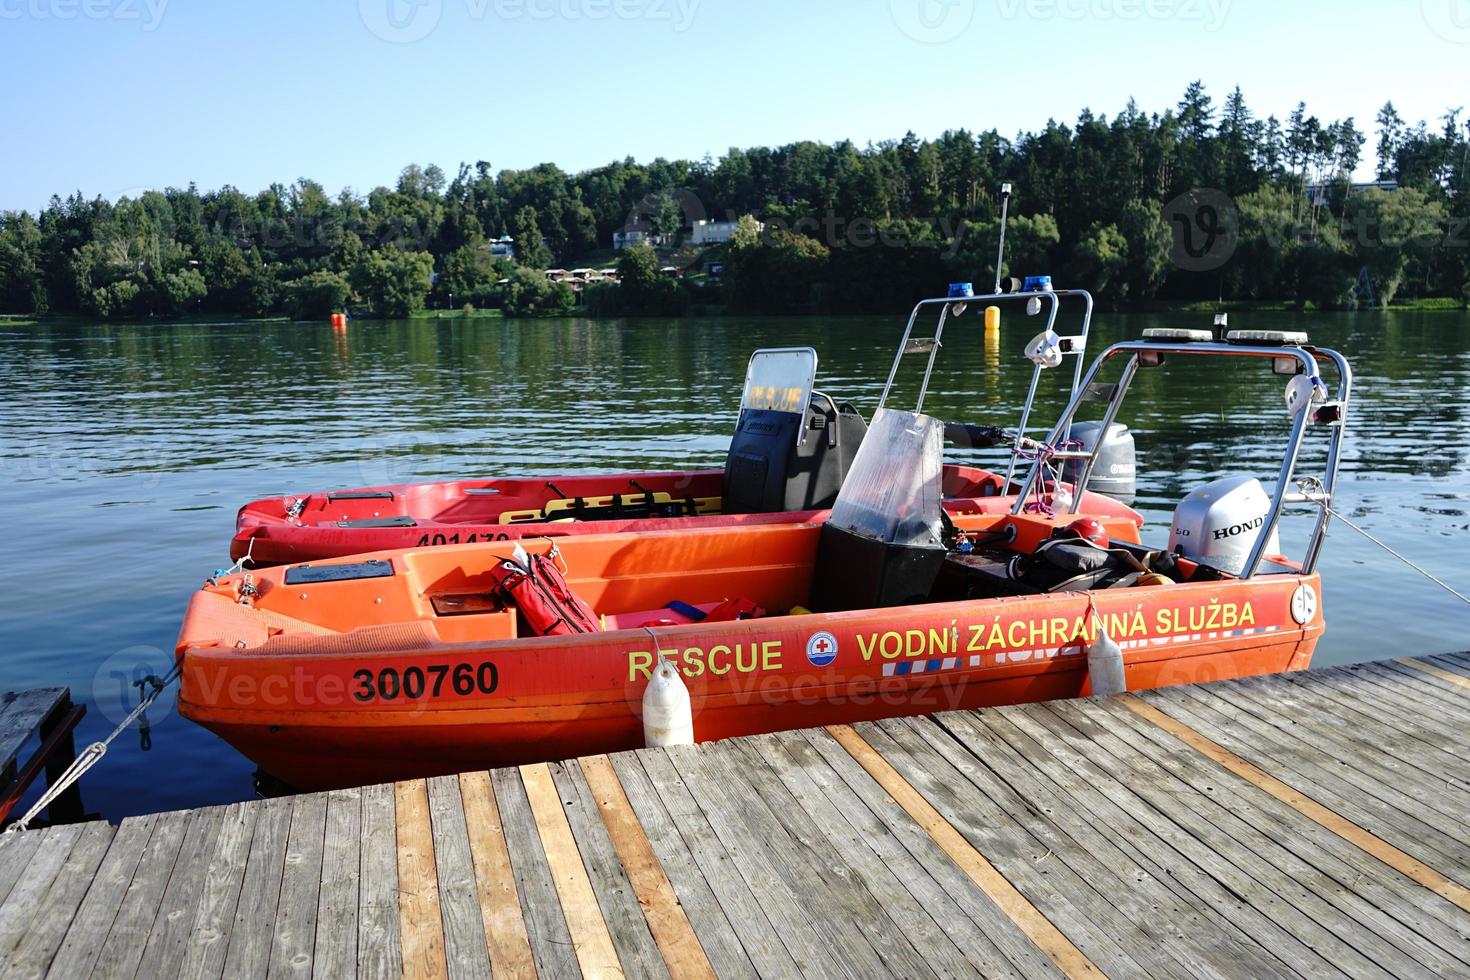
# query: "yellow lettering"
{"type": "Point", "coordinates": [743, 665]}
{"type": "Point", "coordinates": [1247, 615]}
{"type": "Point", "coordinates": [869, 646]}
{"type": "Point", "coordinates": [1012, 636]}
{"type": "Point", "coordinates": [640, 662]}
{"type": "Point", "coordinates": [719, 651]}
{"type": "Point", "coordinates": [693, 657]}
{"type": "Point", "coordinates": [883, 646]}
{"type": "Point", "coordinates": [771, 655]}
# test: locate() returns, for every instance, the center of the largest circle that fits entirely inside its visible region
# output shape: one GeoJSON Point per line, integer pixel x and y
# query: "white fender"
{"type": "Point", "coordinates": [1105, 666]}
{"type": "Point", "coordinates": [667, 717]}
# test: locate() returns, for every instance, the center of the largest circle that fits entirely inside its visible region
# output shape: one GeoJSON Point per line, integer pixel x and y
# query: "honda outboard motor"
{"type": "Point", "coordinates": [1116, 468]}
{"type": "Point", "coordinates": [1218, 524]}
{"type": "Point", "coordinates": [883, 545]}
{"type": "Point", "coordinates": [793, 446]}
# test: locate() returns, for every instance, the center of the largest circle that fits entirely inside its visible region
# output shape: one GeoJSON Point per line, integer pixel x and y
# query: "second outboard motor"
{"type": "Point", "coordinates": [1219, 524]}
{"type": "Point", "coordinates": [1116, 470]}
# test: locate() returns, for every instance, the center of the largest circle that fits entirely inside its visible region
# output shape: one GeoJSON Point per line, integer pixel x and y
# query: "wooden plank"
{"type": "Point", "coordinates": [546, 926]}
{"type": "Point", "coordinates": [1408, 784]}
{"type": "Point", "coordinates": [1380, 810]}
{"type": "Point", "coordinates": [379, 944]}
{"type": "Point", "coordinates": [1434, 670]}
{"type": "Point", "coordinates": [1393, 857]}
{"type": "Point", "coordinates": [870, 896]}
{"type": "Point", "coordinates": [1433, 694]}
{"type": "Point", "coordinates": [163, 951]}
{"type": "Point", "coordinates": [19, 909]}
{"type": "Point", "coordinates": [1426, 928]}
{"type": "Point", "coordinates": [33, 955]}
{"type": "Point", "coordinates": [1290, 917]}
{"type": "Point", "coordinates": [21, 715]}
{"type": "Point", "coordinates": [678, 944]}
{"type": "Point", "coordinates": [294, 936]}
{"type": "Point", "coordinates": [743, 911]}
{"type": "Point", "coordinates": [754, 857]}
{"type": "Point", "coordinates": [123, 947]}
{"type": "Point", "coordinates": [1178, 903]}
{"type": "Point", "coordinates": [209, 937]}
{"type": "Point", "coordinates": [1072, 902]}
{"type": "Point", "coordinates": [420, 927]}
{"type": "Point", "coordinates": [495, 882]}
{"type": "Point", "coordinates": [696, 898]}
{"type": "Point", "coordinates": [972, 920]}
{"type": "Point", "coordinates": [250, 943]}
{"type": "Point", "coordinates": [1434, 749]}
{"type": "Point", "coordinates": [15, 855]}
{"type": "Point", "coordinates": [632, 941]}
{"type": "Point", "coordinates": [465, 951]}
{"type": "Point", "coordinates": [852, 920]}
{"type": "Point", "coordinates": [591, 940]}
{"type": "Point", "coordinates": [335, 952]}
{"type": "Point", "coordinates": [1070, 960]}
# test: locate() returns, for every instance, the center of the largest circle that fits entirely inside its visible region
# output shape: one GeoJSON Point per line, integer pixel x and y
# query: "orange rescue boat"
{"type": "Point", "coordinates": [412, 663]}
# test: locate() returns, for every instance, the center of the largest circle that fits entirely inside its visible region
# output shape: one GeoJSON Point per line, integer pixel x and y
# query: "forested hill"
{"type": "Point", "coordinates": [1198, 201]}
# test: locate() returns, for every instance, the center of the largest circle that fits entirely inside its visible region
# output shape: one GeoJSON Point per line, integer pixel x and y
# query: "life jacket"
{"type": "Point", "coordinates": [539, 590]}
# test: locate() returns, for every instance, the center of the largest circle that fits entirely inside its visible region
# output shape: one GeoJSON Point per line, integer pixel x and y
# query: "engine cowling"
{"type": "Point", "coordinates": [1219, 524]}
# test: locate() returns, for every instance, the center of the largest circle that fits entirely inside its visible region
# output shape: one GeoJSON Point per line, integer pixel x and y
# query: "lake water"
{"type": "Point", "coordinates": [125, 451]}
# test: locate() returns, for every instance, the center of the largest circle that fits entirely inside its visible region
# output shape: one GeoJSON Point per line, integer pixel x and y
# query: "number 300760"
{"type": "Point", "coordinates": [413, 683]}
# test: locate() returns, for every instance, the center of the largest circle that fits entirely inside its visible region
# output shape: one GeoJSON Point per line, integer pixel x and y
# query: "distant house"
{"type": "Point", "coordinates": [1319, 194]}
{"type": "Point", "coordinates": [557, 275]}
{"type": "Point", "coordinates": [503, 247]}
{"type": "Point", "coordinates": [717, 232]}
{"type": "Point", "coordinates": [636, 235]}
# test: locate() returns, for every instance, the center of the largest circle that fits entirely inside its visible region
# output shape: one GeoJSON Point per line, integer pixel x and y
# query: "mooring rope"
{"type": "Point", "coordinates": [94, 753]}
{"type": "Point", "coordinates": [1422, 571]}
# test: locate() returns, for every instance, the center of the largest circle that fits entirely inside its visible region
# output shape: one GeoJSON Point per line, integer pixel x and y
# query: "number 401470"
{"type": "Point", "coordinates": [413, 683]}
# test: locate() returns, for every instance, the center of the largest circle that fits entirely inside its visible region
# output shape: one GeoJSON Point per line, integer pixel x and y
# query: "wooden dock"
{"type": "Point", "coordinates": [1304, 826]}
{"type": "Point", "coordinates": [48, 715]}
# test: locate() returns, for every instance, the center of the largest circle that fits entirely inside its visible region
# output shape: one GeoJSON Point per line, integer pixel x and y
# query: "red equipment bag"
{"type": "Point", "coordinates": [539, 590]}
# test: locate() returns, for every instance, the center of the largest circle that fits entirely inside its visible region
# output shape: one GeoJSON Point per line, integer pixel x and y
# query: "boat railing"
{"type": "Point", "coordinates": [1302, 362]}
{"type": "Point", "coordinates": [1064, 346]}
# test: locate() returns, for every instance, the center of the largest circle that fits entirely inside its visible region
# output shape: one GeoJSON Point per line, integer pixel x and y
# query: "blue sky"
{"type": "Point", "coordinates": [114, 96]}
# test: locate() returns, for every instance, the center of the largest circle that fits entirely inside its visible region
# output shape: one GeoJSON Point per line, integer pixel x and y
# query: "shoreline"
{"type": "Point", "coordinates": [1425, 305]}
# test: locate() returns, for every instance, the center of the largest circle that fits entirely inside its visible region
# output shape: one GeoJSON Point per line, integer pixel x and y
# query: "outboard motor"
{"type": "Point", "coordinates": [884, 545]}
{"type": "Point", "coordinates": [793, 446]}
{"type": "Point", "coordinates": [1116, 469]}
{"type": "Point", "coordinates": [1218, 524]}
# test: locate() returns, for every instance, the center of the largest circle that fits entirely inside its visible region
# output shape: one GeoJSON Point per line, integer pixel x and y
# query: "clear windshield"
{"type": "Point", "coordinates": [893, 491]}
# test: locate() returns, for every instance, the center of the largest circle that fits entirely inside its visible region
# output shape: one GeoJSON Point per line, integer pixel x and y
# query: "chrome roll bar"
{"type": "Point", "coordinates": [1330, 412]}
{"type": "Point", "coordinates": [1052, 297]}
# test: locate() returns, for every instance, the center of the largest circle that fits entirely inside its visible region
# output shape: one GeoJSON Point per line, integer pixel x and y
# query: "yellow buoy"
{"type": "Point", "coordinates": [992, 318]}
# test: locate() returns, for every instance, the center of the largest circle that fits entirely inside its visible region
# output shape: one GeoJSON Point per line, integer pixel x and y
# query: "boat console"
{"type": "Point", "coordinates": [793, 445]}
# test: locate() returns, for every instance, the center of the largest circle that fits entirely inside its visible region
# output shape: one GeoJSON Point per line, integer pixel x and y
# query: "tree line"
{"type": "Point", "coordinates": [1196, 202]}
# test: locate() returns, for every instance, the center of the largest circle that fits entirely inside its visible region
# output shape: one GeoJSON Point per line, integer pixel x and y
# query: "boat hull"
{"type": "Point", "coordinates": [337, 525]}
{"type": "Point", "coordinates": [318, 715]}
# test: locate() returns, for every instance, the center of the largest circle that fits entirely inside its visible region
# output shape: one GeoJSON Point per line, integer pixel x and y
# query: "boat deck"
{"type": "Point", "coordinates": [1308, 825]}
